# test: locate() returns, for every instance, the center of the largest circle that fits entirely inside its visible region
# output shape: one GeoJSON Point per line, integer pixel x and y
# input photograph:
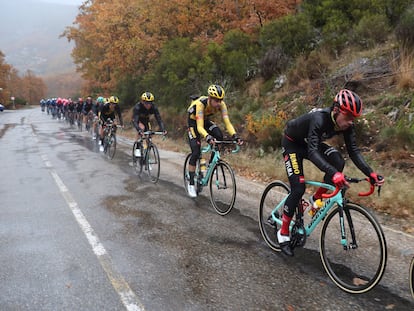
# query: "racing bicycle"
{"type": "Point", "coordinates": [109, 140]}
{"type": "Point", "coordinates": [219, 176]}
{"type": "Point", "coordinates": [352, 245]}
{"type": "Point", "coordinates": [145, 156]}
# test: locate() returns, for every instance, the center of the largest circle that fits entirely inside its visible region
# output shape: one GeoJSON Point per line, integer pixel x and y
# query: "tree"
{"type": "Point", "coordinates": [122, 38]}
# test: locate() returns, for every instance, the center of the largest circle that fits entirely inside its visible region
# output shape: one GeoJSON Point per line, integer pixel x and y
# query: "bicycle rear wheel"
{"type": "Point", "coordinates": [152, 163]}
{"type": "Point", "coordinates": [273, 194]}
{"type": "Point", "coordinates": [222, 188]}
{"type": "Point", "coordinates": [79, 123]}
{"type": "Point", "coordinates": [111, 146]}
{"type": "Point", "coordinates": [357, 267]}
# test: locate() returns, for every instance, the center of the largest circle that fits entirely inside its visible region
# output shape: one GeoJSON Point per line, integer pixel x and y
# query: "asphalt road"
{"type": "Point", "coordinates": [81, 232]}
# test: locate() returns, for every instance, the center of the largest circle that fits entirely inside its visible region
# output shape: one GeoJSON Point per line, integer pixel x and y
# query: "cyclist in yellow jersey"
{"type": "Point", "coordinates": [200, 126]}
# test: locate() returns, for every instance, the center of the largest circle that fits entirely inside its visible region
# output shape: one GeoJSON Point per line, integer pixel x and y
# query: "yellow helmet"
{"type": "Point", "coordinates": [147, 97]}
{"type": "Point", "coordinates": [113, 100]}
{"type": "Point", "coordinates": [216, 91]}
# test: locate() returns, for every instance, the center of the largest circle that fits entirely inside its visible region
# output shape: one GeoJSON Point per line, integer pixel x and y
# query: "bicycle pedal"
{"type": "Point", "coordinates": [271, 222]}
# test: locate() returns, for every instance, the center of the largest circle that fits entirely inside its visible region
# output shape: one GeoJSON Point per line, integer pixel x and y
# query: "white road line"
{"type": "Point", "coordinates": [128, 297]}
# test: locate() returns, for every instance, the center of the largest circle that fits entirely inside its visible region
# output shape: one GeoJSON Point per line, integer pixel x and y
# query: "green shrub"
{"type": "Point", "coordinates": [371, 30]}
{"type": "Point", "coordinates": [404, 30]}
{"type": "Point", "coordinates": [292, 33]}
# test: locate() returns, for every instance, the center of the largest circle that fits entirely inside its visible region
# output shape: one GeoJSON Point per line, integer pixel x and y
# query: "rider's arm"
{"type": "Point", "coordinates": [118, 111]}
{"type": "Point", "coordinates": [200, 119]}
{"type": "Point", "coordinates": [354, 152]}
{"type": "Point", "coordinates": [224, 113]}
{"type": "Point", "coordinates": [158, 118]}
{"type": "Point", "coordinates": [317, 124]}
{"type": "Point", "coordinates": [135, 117]}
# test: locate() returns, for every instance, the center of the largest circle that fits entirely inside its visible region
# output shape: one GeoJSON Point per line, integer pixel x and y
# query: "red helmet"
{"type": "Point", "coordinates": [348, 101]}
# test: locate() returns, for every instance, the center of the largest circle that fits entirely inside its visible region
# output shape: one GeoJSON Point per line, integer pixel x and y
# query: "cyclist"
{"type": "Point", "coordinates": [86, 108]}
{"type": "Point", "coordinates": [95, 110]}
{"type": "Point", "coordinates": [79, 108]}
{"type": "Point", "coordinates": [141, 113]}
{"type": "Point", "coordinates": [200, 125]}
{"type": "Point", "coordinates": [108, 111]}
{"type": "Point", "coordinates": [304, 139]}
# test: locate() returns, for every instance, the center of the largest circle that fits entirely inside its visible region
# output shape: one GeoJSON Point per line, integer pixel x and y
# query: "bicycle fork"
{"type": "Point", "coordinates": [344, 240]}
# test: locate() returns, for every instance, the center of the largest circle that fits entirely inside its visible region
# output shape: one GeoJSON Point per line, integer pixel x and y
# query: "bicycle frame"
{"type": "Point", "coordinates": [321, 213]}
{"type": "Point", "coordinates": [216, 159]}
{"type": "Point", "coordinates": [336, 197]}
{"type": "Point", "coordinates": [147, 137]}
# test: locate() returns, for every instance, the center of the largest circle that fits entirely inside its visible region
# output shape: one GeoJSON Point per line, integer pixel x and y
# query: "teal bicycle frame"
{"type": "Point", "coordinates": [330, 200]}
{"type": "Point", "coordinates": [212, 164]}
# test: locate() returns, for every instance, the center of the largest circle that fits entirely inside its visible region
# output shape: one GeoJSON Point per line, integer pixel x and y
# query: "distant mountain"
{"type": "Point", "coordinates": [29, 36]}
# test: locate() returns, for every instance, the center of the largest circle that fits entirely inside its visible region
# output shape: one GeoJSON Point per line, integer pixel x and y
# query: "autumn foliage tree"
{"type": "Point", "coordinates": [27, 88]}
{"type": "Point", "coordinates": [119, 38]}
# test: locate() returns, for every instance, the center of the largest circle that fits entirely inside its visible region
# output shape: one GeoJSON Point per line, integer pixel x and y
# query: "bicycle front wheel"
{"type": "Point", "coordinates": [111, 147]}
{"type": "Point", "coordinates": [222, 188]}
{"type": "Point", "coordinates": [357, 264]}
{"type": "Point", "coordinates": [412, 277]}
{"type": "Point", "coordinates": [273, 194]}
{"type": "Point", "coordinates": [152, 163]}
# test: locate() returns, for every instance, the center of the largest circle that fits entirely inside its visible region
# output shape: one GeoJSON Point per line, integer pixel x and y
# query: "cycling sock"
{"type": "Point", "coordinates": [319, 192]}
{"type": "Point", "coordinates": [285, 225]}
{"type": "Point", "coordinates": [192, 174]}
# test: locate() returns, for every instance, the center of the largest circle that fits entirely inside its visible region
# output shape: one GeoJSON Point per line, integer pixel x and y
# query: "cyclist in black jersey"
{"type": "Point", "coordinates": [87, 106]}
{"type": "Point", "coordinates": [200, 125]}
{"type": "Point", "coordinates": [142, 112]}
{"type": "Point", "coordinates": [304, 139]}
{"type": "Point", "coordinates": [108, 111]}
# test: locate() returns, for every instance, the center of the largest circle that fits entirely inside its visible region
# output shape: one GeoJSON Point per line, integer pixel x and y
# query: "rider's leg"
{"type": "Point", "coordinates": [293, 157]}
{"type": "Point", "coordinates": [195, 146]}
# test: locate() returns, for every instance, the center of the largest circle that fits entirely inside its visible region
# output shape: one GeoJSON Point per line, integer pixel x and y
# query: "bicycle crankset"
{"type": "Point", "coordinates": [298, 235]}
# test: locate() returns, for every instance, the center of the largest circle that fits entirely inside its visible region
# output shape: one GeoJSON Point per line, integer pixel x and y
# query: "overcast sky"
{"type": "Point", "coordinates": [72, 2]}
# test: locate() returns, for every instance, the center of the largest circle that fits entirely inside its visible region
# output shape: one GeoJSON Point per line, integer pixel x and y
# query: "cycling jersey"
{"type": "Point", "coordinates": [70, 106]}
{"type": "Point", "coordinates": [142, 114]}
{"type": "Point", "coordinates": [87, 106]}
{"type": "Point", "coordinates": [311, 129]}
{"type": "Point", "coordinates": [106, 112]}
{"type": "Point", "coordinates": [199, 112]}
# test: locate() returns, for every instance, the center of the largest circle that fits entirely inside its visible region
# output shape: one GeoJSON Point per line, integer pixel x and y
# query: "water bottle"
{"type": "Point", "coordinates": [316, 206]}
{"type": "Point", "coordinates": [137, 152]}
{"type": "Point", "coordinates": [203, 167]}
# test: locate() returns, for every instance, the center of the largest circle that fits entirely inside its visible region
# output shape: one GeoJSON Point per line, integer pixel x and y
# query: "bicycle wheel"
{"type": "Point", "coordinates": [111, 146]}
{"type": "Point", "coordinates": [412, 277]}
{"type": "Point", "coordinates": [222, 188]}
{"type": "Point", "coordinates": [152, 163]}
{"type": "Point", "coordinates": [79, 121]}
{"type": "Point", "coordinates": [273, 194]}
{"type": "Point", "coordinates": [357, 267]}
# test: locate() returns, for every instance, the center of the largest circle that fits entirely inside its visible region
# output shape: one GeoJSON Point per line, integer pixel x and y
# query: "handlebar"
{"type": "Point", "coordinates": [152, 133]}
{"type": "Point", "coordinates": [353, 180]}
